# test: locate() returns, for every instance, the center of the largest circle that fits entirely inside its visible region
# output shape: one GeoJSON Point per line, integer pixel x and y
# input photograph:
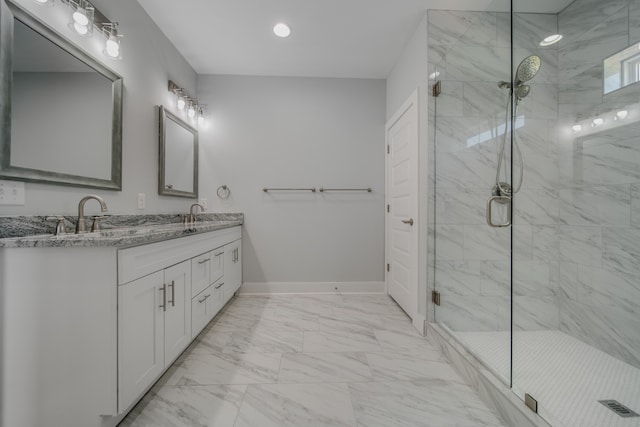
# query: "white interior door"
{"type": "Point", "coordinates": [402, 207]}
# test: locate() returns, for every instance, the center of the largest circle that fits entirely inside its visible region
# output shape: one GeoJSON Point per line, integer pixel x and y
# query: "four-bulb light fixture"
{"type": "Point", "coordinates": [185, 103]}
{"type": "Point", "coordinates": [84, 17]}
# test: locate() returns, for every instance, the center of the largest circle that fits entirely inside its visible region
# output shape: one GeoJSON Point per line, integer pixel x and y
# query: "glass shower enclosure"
{"type": "Point", "coordinates": [535, 140]}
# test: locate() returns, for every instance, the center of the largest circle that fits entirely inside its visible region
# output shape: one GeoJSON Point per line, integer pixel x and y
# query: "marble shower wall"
{"type": "Point", "coordinates": [471, 52]}
{"type": "Point", "coordinates": [599, 218]}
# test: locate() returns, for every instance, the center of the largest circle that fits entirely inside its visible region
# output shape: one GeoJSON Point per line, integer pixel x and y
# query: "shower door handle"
{"type": "Point", "coordinates": [502, 200]}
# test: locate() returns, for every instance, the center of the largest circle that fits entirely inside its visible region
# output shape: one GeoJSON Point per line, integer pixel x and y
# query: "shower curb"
{"type": "Point", "coordinates": [493, 393]}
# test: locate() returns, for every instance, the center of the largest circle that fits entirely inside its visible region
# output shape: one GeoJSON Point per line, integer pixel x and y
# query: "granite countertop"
{"type": "Point", "coordinates": [119, 230]}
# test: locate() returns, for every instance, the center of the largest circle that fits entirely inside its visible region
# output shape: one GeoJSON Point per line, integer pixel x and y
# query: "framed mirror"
{"type": "Point", "coordinates": [61, 109]}
{"type": "Point", "coordinates": [178, 168]}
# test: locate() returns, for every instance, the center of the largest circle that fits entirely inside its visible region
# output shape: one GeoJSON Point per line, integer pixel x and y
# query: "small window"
{"type": "Point", "coordinates": [622, 69]}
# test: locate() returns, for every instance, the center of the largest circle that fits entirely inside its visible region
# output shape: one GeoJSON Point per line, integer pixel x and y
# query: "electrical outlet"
{"type": "Point", "coordinates": [203, 202]}
{"type": "Point", "coordinates": [142, 201]}
{"type": "Point", "coordinates": [12, 193]}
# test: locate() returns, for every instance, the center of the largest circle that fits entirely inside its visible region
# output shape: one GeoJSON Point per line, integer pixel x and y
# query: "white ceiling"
{"type": "Point", "coordinates": [330, 38]}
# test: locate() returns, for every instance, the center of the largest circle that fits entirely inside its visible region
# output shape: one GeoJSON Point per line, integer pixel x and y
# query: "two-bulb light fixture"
{"type": "Point", "coordinates": [186, 104]}
{"type": "Point", "coordinates": [84, 17]}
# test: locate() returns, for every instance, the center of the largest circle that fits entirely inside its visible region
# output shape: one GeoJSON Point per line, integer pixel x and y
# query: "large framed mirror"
{"type": "Point", "coordinates": [61, 110]}
{"type": "Point", "coordinates": [178, 168]}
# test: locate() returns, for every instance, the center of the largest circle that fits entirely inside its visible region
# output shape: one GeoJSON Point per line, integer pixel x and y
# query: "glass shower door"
{"type": "Point", "coordinates": [469, 54]}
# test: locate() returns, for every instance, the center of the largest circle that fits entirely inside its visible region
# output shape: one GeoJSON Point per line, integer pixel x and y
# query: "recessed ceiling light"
{"type": "Point", "coordinates": [282, 30]}
{"type": "Point", "coordinates": [552, 39]}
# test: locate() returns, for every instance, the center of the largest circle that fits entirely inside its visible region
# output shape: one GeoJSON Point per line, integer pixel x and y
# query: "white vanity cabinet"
{"type": "Point", "coordinates": [167, 293]}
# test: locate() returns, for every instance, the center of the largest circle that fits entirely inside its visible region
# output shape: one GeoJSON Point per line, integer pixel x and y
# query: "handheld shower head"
{"type": "Point", "coordinates": [527, 69]}
{"type": "Point", "coordinates": [522, 91]}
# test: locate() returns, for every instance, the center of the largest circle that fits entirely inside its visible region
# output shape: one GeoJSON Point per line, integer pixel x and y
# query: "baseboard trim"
{"type": "Point", "coordinates": [262, 288]}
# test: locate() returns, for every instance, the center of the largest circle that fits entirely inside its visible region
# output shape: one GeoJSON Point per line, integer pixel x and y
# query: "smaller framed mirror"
{"type": "Point", "coordinates": [178, 168]}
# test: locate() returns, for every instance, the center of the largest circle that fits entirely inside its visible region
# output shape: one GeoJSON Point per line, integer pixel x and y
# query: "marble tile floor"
{"type": "Point", "coordinates": [312, 360]}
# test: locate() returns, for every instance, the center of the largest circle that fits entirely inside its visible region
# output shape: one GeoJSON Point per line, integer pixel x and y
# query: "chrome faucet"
{"type": "Point", "coordinates": [81, 226]}
{"type": "Point", "coordinates": [192, 215]}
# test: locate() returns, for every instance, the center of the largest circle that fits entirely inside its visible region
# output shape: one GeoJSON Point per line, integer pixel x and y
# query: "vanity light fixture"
{"type": "Point", "coordinates": [598, 121]}
{"type": "Point", "coordinates": [576, 128]}
{"type": "Point", "coordinates": [552, 39]}
{"type": "Point", "coordinates": [84, 16]}
{"type": "Point", "coordinates": [112, 44]}
{"type": "Point", "coordinates": [184, 102]}
{"type": "Point", "coordinates": [282, 30]}
{"type": "Point", "coordinates": [621, 115]}
{"type": "Point", "coordinates": [201, 119]}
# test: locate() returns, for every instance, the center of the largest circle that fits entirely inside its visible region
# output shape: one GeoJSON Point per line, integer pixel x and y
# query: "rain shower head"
{"type": "Point", "coordinates": [527, 69]}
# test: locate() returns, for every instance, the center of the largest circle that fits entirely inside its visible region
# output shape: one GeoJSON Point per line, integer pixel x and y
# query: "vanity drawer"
{"type": "Point", "coordinates": [200, 273]}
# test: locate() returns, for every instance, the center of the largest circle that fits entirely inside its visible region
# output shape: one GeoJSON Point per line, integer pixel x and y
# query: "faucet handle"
{"type": "Point", "coordinates": [60, 228]}
{"type": "Point", "coordinates": [96, 222]}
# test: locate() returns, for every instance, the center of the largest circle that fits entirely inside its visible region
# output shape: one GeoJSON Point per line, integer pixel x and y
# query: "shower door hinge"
{"type": "Point", "coordinates": [388, 149]}
{"type": "Point", "coordinates": [531, 402]}
{"type": "Point", "coordinates": [388, 208]}
{"type": "Point", "coordinates": [435, 297]}
{"type": "Point", "coordinates": [388, 267]}
{"type": "Point", "coordinates": [437, 88]}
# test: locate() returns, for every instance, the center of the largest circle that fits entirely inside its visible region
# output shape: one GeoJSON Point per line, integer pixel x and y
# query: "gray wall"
{"type": "Point", "coordinates": [299, 132]}
{"type": "Point", "coordinates": [408, 75]}
{"type": "Point", "coordinates": [149, 60]}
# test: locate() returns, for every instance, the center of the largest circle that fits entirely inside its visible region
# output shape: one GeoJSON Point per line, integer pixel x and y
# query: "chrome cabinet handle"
{"type": "Point", "coordinates": [204, 298]}
{"type": "Point", "coordinates": [173, 293]}
{"type": "Point", "coordinates": [163, 306]}
{"type": "Point", "coordinates": [220, 285]}
{"type": "Point", "coordinates": [408, 221]}
{"type": "Point", "coordinates": [204, 260]}
{"type": "Point", "coordinates": [501, 200]}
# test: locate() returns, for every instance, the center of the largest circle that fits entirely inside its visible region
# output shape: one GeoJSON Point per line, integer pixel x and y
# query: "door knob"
{"type": "Point", "coordinates": [408, 221]}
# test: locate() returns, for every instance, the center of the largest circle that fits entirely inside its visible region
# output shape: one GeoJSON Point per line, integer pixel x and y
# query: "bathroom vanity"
{"type": "Point", "coordinates": [93, 320]}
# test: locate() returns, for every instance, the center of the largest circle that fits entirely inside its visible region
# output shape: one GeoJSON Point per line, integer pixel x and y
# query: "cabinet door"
{"type": "Point", "coordinates": [200, 273]}
{"type": "Point", "coordinates": [177, 318]}
{"type": "Point", "coordinates": [218, 258]}
{"type": "Point", "coordinates": [140, 336]}
{"type": "Point", "coordinates": [233, 268]}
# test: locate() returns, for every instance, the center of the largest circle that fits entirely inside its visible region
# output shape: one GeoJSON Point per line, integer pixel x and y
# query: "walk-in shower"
{"type": "Point", "coordinates": [547, 303]}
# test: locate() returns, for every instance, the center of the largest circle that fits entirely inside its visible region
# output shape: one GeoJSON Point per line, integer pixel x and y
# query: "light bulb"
{"type": "Point", "coordinates": [80, 29]}
{"type": "Point", "coordinates": [112, 46]}
{"type": "Point", "coordinates": [41, 1]}
{"type": "Point", "coordinates": [621, 115]}
{"type": "Point", "coordinates": [282, 30]}
{"type": "Point", "coordinates": [552, 39]}
{"type": "Point", "coordinates": [181, 103]}
{"type": "Point", "coordinates": [191, 112]}
{"type": "Point", "coordinates": [577, 128]}
{"type": "Point", "coordinates": [200, 119]}
{"type": "Point", "coordinates": [598, 121]}
{"type": "Point", "coordinates": [80, 16]}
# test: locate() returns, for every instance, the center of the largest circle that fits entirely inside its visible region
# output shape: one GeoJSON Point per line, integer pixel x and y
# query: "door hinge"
{"type": "Point", "coordinates": [388, 208]}
{"type": "Point", "coordinates": [435, 297]}
{"type": "Point", "coordinates": [437, 88]}
{"type": "Point", "coordinates": [388, 267]}
{"type": "Point", "coordinates": [388, 149]}
{"type": "Point", "coordinates": [531, 402]}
